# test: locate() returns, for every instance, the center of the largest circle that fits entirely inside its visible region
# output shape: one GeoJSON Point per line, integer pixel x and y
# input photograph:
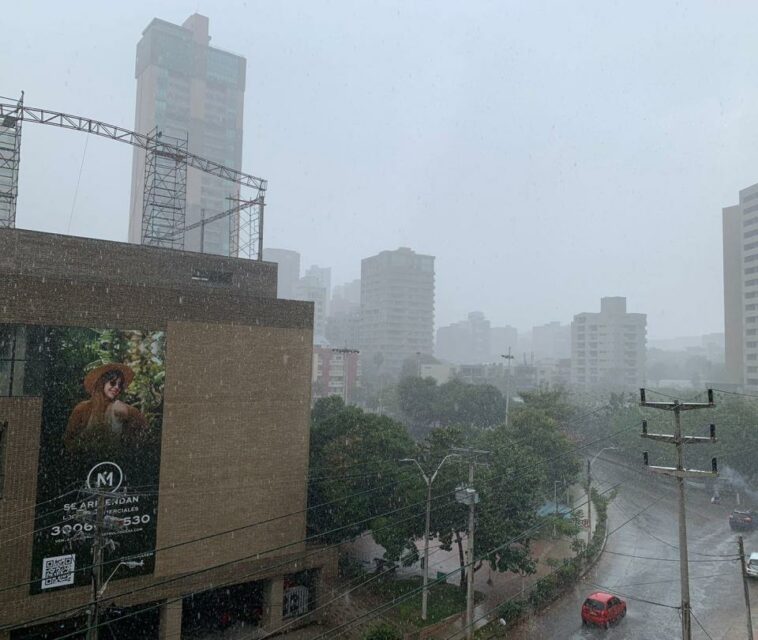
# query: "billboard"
{"type": "Point", "coordinates": [102, 409]}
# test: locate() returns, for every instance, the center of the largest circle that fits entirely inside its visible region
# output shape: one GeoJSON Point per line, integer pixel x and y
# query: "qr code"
{"type": "Point", "coordinates": [58, 571]}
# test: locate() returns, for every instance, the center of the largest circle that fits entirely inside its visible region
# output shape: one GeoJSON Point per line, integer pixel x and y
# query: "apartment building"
{"type": "Point", "coordinates": [608, 348]}
{"type": "Point", "coordinates": [397, 308]}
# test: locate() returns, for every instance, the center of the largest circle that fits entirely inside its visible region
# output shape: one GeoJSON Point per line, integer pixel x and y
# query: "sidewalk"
{"type": "Point", "coordinates": [496, 587]}
{"type": "Point", "coordinates": [499, 587]}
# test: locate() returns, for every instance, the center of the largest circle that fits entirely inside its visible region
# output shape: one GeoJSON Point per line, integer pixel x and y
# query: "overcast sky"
{"type": "Point", "coordinates": [547, 153]}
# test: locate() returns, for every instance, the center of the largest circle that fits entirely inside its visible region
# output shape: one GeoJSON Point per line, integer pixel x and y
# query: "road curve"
{"type": "Point", "coordinates": [625, 567]}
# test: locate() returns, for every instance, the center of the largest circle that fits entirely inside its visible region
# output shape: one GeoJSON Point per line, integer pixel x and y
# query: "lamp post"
{"type": "Point", "coordinates": [428, 480]}
{"type": "Point", "coordinates": [508, 357]}
{"type": "Point", "coordinates": [130, 564]}
{"type": "Point", "coordinates": [589, 492]}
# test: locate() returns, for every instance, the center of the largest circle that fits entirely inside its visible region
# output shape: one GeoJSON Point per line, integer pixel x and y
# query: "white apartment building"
{"type": "Point", "coordinates": [608, 348]}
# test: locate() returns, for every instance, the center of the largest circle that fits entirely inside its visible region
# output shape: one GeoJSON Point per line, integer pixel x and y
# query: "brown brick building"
{"type": "Point", "coordinates": [233, 438]}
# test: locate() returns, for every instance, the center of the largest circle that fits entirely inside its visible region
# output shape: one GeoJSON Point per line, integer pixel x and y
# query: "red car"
{"type": "Point", "coordinates": [602, 609]}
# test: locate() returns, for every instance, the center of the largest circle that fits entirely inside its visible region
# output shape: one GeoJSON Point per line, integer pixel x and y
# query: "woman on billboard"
{"type": "Point", "coordinates": [104, 421]}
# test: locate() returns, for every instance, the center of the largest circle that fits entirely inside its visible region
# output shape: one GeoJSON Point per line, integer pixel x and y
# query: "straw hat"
{"type": "Point", "coordinates": [93, 376]}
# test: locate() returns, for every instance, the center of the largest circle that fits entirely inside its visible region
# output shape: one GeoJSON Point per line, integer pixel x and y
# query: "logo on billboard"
{"type": "Point", "coordinates": [105, 475]}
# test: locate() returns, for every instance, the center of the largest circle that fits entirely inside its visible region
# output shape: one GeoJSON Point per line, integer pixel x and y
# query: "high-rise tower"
{"type": "Point", "coordinates": [191, 91]}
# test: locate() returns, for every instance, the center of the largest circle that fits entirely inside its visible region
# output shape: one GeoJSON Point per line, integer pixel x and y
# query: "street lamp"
{"type": "Point", "coordinates": [508, 357]}
{"type": "Point", "coordinates": [428, 480]}
{"type": "Point", "coordinates": [589, 492]}
{"type": "Point", "coordinates": [130, 564]}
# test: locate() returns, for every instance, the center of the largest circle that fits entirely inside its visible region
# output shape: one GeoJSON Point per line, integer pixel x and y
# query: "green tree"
{"type": "Point", "coordinates": [475, 405]}
{"type": "Point", "coordinates": [354, 461]}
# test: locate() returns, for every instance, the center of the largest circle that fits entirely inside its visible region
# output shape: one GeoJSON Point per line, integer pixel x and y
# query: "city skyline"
{"type": "Point", "coordinates": [488, 180]}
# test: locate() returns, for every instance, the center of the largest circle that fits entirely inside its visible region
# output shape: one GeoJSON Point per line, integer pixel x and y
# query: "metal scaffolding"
{"type": "Point", "coordinates": [10, 157]}
{"type": "Point", "coordinates": [165, 191]}
{"type": "Point", "coordinates": [165, 179]}
{"type": "Point", "coordinates": [246, 229]}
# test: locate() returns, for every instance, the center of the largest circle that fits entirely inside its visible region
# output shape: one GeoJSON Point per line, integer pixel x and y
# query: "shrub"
{"type": "Point", "coordinates": [383, 631]}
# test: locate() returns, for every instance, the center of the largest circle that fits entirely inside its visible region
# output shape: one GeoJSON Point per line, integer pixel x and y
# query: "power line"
{"type": "Point", "coordinates": [630, 555]}
{"type": "Point", "coordinates": [300, 541]}
{"type": "Point", "coordinates": [219, 533]}
{"type": "Point", "coordinates": [699, 624]}
{"type": "Point", "coordinates": [504, 479]}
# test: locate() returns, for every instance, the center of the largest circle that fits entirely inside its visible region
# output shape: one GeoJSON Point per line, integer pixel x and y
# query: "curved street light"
{"type": "Point", "coordinates": [428, 480]}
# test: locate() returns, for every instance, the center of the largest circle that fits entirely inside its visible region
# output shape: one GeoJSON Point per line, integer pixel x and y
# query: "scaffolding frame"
{"type": "Point", "coordinates": [10, 158]}
{"type": "Point", "coordinates": [164, 197]}
{"type": "Point", "coordinates": [246, 229]}
{"type": "Point", "coordinates": [246, 233]}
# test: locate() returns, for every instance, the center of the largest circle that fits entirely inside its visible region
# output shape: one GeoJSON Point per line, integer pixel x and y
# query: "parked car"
{"type": "Point", "coordinates": [752, 565]}
{"type": "Point", "coordinates": [742, 520]}
{"type": "Point", "coordinates": [602, 609]}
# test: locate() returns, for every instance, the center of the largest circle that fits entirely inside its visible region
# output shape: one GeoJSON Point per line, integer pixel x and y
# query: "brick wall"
{"type": "Point", "coordinates": [236, 409]}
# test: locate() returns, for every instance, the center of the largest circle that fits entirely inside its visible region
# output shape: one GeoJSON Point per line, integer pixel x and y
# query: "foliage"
{"type": "Point", "coordinates": [536, 426]}
{"type": "Point", "coordinates": [565, 573]}
{"type": "Point", "coordinates": [444, 599]}
{"type": "Point", "coordinates": [425, 405]}
{"type": "Point", "coordinates": [383, 631]}
{"type": "Point", "coordinates": [354, 468]}
{"type": "Point", "coordinates": [365, 449]}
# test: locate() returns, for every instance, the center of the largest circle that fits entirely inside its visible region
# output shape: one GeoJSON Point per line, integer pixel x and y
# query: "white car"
{"type": "Point", "coordinates": [752, 566]}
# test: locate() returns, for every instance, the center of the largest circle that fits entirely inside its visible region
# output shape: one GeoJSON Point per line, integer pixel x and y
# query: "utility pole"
{"type": "Point", "coordinates": [745, 586]}
{"type": "Point", "coordinates": [680, 473]}
{"type": "Point", "coordinates": [93, 612]}
{"type": "Point", "coordinates": [508, 357]}
{"type": "Point", "coordinates": [469, 496]}
{"type": "Point", "coordinates": [428, 480]}
{"type": "Point", "coordinates": [589, 492]}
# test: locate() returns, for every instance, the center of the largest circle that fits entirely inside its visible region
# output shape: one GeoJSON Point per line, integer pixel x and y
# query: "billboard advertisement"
{"type": "Point", "coordinates": [102, 409]}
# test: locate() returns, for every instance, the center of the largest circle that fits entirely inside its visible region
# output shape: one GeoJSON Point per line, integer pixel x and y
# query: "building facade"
{"type": "Point", "coordinates": [552, 341]}
{"type": "Point", "coordinates": [397, 308]}
{"type": "Point", "coordinates": [336, 372]}
{"type": "Point", "coordinates": [608, 348]}
{"type": "Point", "coordinates": [465, 342]}
{"type": "Point", "coordinates": [190, 91]}
{"type": "Point", "coordinates": [740, 241]}
{"type": "Point", "coordinates": [311, 288]}
{"type": "Point", "coordinates": [214, 377]}
{"type": "Point", "coordinates": [288, 272]}
{"type": "Point", "coordinates": [503, 339]}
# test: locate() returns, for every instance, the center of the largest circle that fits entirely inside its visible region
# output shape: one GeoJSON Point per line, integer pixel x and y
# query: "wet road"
{"type": "Point", "coordinates": [715, 586]}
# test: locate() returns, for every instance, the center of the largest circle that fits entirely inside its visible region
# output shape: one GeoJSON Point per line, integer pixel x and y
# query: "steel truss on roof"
{"type": "Point", "coordinates": [170, 160]}
{"type": "Point", "coordinates": [10, 156]}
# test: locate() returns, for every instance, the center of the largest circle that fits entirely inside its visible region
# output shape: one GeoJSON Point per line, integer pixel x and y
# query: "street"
{"type": "Point", "coordinates": [641, 565]}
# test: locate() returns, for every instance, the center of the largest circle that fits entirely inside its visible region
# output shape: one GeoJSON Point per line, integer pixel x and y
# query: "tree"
{"type": "Point", "coordinates": [419, 402]}
{"type": "Point", "coordinates": [426, 405]}
{"type": "Point", "coordinates": [354, 467]}
{"type": "Point", "coordinates": [475, 405]}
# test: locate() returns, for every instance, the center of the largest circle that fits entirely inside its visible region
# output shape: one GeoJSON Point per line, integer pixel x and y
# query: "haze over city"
{"type": "Point", "coordinates": [546, 154]}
